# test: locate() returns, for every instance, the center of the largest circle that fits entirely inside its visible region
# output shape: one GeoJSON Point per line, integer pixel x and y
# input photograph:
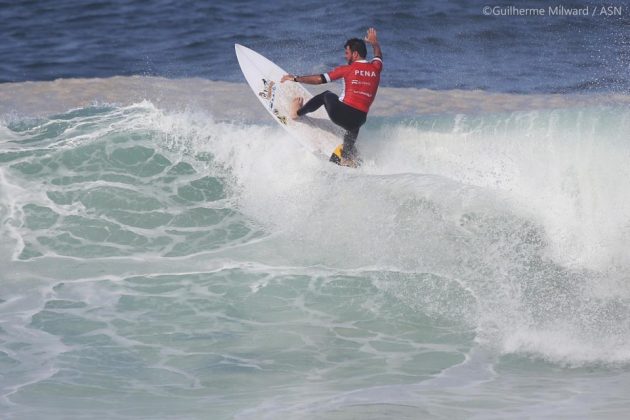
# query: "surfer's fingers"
{"type": "Point", "coordinates": [371, 35]}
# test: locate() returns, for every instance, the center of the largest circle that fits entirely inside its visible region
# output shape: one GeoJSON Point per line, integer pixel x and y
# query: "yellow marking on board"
{"type": "Point", "coordinates": [336, 158]}
{"type": "Point", "coordinates": [338, 151]}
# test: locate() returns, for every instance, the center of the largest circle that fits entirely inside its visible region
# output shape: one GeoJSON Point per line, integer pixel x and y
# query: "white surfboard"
{"type": "Point", "coordinates": [315, 131]}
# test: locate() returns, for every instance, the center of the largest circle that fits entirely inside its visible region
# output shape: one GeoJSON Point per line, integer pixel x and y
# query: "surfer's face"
{"type": "Point", "coordinates": [351, 56]}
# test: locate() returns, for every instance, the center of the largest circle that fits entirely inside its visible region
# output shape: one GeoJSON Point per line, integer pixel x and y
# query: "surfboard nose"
{"type": "Point", "coordinates": [242, 48]}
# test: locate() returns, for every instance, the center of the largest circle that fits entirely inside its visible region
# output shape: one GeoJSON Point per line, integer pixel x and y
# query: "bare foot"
{"type": "Point", "coordinates": [348, 162]}
{"type": "Point", "coordinates": [296, 104]}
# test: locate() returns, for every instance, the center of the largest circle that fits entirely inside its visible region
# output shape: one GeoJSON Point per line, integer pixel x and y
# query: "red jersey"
{"type": "Point", "coordinates": [360, 82]}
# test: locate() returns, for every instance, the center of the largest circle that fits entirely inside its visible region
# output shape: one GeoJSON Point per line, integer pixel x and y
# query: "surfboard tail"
{"type": "Point", "coordinates": [337, 159]}
{"type": "Point", "coordinates": [336, 155]}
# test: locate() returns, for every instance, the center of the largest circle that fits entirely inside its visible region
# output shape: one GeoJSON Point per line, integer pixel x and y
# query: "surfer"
{"type": "Point", "coordinates": [360, 83]}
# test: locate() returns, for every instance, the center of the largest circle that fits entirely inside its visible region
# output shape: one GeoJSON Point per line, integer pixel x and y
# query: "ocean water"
{"type": "Point", "coordinates": [426, 44]}
{"type": "Point", "coordinates": [167, 251]}
{"type": "Point", "coordinates": [165, 264]}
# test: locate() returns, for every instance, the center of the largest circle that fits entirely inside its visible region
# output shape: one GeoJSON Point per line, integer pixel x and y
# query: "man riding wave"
{"type": "Point", "coordinates": [360, 84]}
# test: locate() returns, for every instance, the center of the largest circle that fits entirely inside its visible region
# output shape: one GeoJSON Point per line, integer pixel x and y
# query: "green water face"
{"type": "Point", "coordinates": [230, 339]}
{"type": "Point", "coordinates": [110, 196]}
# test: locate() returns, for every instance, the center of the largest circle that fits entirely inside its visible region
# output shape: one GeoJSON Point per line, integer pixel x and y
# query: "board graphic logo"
{"type": "Point", "coordinates": [269, 91]}
{"type": "Point", "coordinates": [281, 118]}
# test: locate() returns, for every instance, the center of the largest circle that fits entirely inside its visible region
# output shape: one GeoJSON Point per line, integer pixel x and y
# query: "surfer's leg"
{"type": "Point", "coordinates": [316, 102]}
{"type": "Point", "coordinates": [350, 137]}
{"type": "Point", "coordinates": [351, 120]}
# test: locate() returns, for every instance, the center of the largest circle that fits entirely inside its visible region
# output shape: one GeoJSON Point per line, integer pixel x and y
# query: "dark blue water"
{"type": "Point", "coordinates": [427, 44]}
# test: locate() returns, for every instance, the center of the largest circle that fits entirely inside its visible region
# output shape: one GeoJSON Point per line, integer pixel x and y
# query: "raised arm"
{"type": "Point", "coordinates": [371, 38]}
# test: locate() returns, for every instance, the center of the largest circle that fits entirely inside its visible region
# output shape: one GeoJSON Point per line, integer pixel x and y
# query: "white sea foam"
{"type": "Point", "coordinates": [505, 230]}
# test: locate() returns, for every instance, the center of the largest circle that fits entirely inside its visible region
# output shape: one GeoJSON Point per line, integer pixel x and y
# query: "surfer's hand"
{"type": "Point", "coordinates": [287, 77]}
{"type": "Point", "coordinates": [370, 38]}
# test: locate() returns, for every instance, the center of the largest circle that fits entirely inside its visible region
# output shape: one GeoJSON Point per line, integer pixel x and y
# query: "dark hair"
{"type": "Point", "coordinates": [358, 45]}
